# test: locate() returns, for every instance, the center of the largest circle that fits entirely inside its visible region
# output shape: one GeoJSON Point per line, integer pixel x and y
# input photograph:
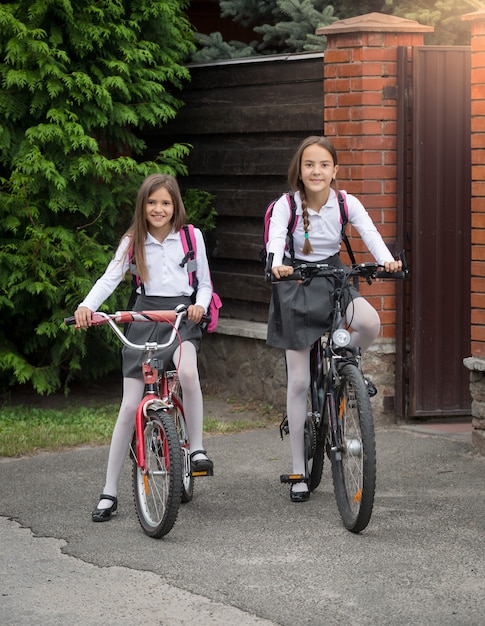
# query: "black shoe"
{"type": "Point", "coordinates": [103, 515]}
{"type": "Point", "coordinates": [299, 496]}
{"type": "Point", "coordinates": [371, 388]}
{"type": "Point", "coordinates": [200, 465]}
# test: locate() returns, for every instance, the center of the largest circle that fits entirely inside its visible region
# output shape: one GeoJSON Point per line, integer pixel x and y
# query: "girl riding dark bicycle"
{"type": "Point", "coordinates": [299, 314]}
{"type": "Point", "coordinates": [153, 244]}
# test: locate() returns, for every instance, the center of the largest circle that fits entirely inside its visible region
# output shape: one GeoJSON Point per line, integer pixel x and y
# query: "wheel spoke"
{"type": "Point", "coordinates": [353, 469]}
{"type": "Point", "coordinates": [157, 490]}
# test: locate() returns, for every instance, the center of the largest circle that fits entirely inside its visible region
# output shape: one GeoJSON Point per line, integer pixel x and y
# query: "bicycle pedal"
{"type": "Point", "coordinates": [209, 472]}
{"type": "Point", "coordinates": [293, 478]}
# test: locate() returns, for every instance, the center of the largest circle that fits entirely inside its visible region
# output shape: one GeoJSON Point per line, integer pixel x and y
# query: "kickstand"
{"type": "Point", "coordinates": [284, 428]}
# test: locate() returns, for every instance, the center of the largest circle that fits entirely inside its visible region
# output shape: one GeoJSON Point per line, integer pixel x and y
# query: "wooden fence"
{"type": "Point", "coordinates": [244, 119]}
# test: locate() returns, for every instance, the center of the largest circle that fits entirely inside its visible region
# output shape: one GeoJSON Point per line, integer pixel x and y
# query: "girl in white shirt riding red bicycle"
{"type": "Point", "coordinates": [152, 247]}
{"type": "Point", "coordinates": [302, 312]}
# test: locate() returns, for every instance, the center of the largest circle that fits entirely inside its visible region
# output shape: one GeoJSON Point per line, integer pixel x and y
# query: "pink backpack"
{"type": "Point", "coordinates": [189, 245]}
{"type": "Point", "coordinates": [190, 248]}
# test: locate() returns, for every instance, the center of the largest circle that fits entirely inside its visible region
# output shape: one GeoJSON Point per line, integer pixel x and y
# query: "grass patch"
{"type": "Point", "coordinates": [26, 430]}
{"type": "Point", "coordinates": [214, 426]}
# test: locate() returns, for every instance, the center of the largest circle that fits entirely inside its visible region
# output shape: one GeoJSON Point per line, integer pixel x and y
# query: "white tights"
{"type": "Point", "coordinates": [132, 394]}
{"type": "Point", "coordinates": [365, 327]}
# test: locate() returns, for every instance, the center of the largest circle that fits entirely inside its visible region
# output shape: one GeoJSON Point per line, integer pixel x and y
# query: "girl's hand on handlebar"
{"type": "Point", "coordinates": [195, 313]}
{"type": "Point", "coordinates": [83, 317]}
{"type": "Point", "coordinates": [282, 270]}
{"type": "Point", "coordinates": [393, 266]}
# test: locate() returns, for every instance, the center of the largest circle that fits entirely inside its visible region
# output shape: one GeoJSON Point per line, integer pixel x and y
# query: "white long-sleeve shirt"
{"type": "Point", "coordinates": [324, 231]}
{"type": "Point", "coordinates": [166, 277]}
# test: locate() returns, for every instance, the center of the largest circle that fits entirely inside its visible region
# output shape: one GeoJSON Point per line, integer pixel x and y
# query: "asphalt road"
{"type": "Point", "coordinates": [241, 553]}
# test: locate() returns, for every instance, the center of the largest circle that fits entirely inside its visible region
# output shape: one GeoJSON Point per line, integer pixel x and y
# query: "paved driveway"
{"type": "Point", "coordinates": [241, 552]}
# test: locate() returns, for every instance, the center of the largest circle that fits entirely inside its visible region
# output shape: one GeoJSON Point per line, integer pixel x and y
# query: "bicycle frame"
{"type": "Point", "coordinates": [332, 359]}
{"type": "Point", "coordinates": [153, 398]}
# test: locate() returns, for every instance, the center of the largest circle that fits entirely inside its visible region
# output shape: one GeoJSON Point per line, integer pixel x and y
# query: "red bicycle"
{"type": "Point", "coordinates": [160, 450]}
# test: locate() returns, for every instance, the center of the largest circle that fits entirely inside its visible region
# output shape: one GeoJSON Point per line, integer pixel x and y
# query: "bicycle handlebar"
{"type": "Point", "coordinates": [369, 271]}
{"type": "Point", "coordinates": [173, 317]}
{"type": "Point", "coordinates": [122, 317]}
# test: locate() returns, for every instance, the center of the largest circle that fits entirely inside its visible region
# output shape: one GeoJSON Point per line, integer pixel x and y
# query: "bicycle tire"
{"type": "Point", "coordinates": [315, 466]}
{"type": "Point", "coordinates": [181, 426]}
{"type": "Point", "coordinates": [314, 451]}
{"type": "Point", "coordinates": [158, 494]}
{"type": "Point", "coordinates": [354, 469]}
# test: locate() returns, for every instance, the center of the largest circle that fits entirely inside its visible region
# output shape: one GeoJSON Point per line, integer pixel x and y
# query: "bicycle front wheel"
{"type": "Point", "coordinates": [314, 427]}
{"type": "Point", "coordinates": [181, 426]}
{"type": "Point", "coordinates": [158, 491]}
{"type": "Point", "coordinates": [314, 451]}
{"type": "Point", "coordinates": [354, 460]}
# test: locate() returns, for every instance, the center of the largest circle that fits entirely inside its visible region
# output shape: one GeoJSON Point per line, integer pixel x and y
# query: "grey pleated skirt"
{"type": "Point", "coordinates": [140, 332]}
{"type": "Point", "coordinates": [300, 314]}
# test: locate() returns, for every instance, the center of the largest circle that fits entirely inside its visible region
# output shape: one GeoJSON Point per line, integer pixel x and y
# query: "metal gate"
{"type": "Point", "coordinates": [440, 218]}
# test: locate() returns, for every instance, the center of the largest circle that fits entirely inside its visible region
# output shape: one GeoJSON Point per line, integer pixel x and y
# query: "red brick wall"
{"type": "Point", "coordinates": [478, 183]}
{"type": "Point", "coordinates": [361, 122]}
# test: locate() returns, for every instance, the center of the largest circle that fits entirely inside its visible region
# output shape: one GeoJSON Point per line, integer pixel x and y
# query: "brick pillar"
{"type": "Point", "coordinates": [476, 362]}
{"type": "Point", "coordinates": [360, 113]}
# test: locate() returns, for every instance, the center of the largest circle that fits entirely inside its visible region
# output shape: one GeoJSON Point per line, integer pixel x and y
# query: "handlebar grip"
{"type": "Point", "coordinates": [70, 321]}
{"type": "Point", "coordinates": [396, 275]}
{"type": "Point", "coordinates": [295, 276]}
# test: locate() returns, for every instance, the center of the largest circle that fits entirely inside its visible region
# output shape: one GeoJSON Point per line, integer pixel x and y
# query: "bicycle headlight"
{"type": "Point", "coordinates": [341, 337]}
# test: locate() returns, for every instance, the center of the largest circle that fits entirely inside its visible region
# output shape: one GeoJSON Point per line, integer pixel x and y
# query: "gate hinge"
{"type": "Point", "coordinates": [389, 92]}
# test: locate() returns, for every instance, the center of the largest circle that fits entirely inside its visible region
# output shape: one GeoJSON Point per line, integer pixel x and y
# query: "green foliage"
{"type": "Point", "coordinates": [200, 209]}
{"type": "Point", "coordinates": [213, 47]}
{"type": "Point", "coordinates": [81, 82]}
{"type": "Point", "coordinates": [349, 8]}
{"type": "Point", "coordinates": [297, 29]}
{"type": "Point", "coordinates": [280, 27]}
{"type": "Point", "coordinates": [288, 26]}
{"type": "Point", "coordinates": [443, 15]}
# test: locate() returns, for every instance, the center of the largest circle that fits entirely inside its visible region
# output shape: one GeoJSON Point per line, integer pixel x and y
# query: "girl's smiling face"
{"type": "Point", "coordinates": [317, 170]}
{"type": "Point", "coordinates": [159, 210]}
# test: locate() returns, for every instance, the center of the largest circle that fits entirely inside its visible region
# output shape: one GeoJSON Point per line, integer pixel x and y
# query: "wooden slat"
{"type": "Point", "coordinates": [263, 118]}
{"type": "Point", "coordinates": [244, 310]}
{"type": "Point", "coordinates": [235, 245]}
{"type": "Point", "coordinates": [241, 286]}
{"type": "Point", "coordinates": [244, 121]}
{"type": "Point", "coordinates": [284, 69]}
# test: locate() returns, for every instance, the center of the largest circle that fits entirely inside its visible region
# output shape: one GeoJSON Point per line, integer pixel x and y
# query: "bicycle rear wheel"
{"type": "Point", "coordinates": [354, 465]}
{"type": "Point", "coordinates": [158, 492]}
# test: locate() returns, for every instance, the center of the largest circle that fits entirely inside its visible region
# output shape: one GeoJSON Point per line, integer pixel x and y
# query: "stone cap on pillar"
{"type": "Point", "coordinates": [375, 22]}
{"type": "Point", "coordinates": [477, 15]}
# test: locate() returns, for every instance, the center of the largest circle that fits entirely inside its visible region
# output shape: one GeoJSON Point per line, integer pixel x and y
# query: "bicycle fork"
{"type": "Point", "coordinates": [152, 401]}
{"type": "Point", "coordinates": [334, 433]}
{"type": "Point", "coordinates": [339, 444]}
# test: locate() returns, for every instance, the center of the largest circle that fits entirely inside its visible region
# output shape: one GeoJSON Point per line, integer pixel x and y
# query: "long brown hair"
{"type": "Point", "coordinates": [296, 184]}
{"type": "Point", "coordinates": [138, 229]}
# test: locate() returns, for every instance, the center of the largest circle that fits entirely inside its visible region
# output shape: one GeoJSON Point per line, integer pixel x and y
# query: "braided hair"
{"type": "Point", "coordinates": [296, 184]}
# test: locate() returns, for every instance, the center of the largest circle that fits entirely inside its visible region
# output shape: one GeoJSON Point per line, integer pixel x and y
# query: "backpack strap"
{"type": "Point", "coordinates": [291, 247]}
{"type": "Point", "coordinates": [189, 245]}
{"type": "Point", "coordinates": [135, 279]}
{"type": "Point", "coordinates": [344, 218]}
